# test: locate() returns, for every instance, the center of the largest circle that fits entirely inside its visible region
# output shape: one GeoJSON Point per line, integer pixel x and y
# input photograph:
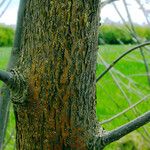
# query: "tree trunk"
{"type": "Point", "coordinates": [53, 82]}
{"type": "Point", "coordinates": [55, 104]}
{"type": "Point", "coordinates": [4, 91]}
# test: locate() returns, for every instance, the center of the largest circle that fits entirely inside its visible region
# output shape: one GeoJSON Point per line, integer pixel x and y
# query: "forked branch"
{"type": "Point", "coordinates": [124, 130]}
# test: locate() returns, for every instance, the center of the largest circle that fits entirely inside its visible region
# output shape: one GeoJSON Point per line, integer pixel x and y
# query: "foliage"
{"type": "Point", "coordinates": [119, 34]}
{"type": "Point", "coordinates": [6, 36]}
{"type": "Point", "coordinates": [108, 34]}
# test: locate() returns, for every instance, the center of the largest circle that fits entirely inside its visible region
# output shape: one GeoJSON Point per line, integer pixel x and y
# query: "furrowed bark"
{"type": "Point", "coordinates": [5, 93]}
{"type": "Point", "coordinates": [59, 48]}
{"type": "Point", "coordinates": [55, 97]}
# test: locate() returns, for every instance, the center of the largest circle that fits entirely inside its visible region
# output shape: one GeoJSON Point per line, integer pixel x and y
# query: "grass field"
{"type": "Point", "coordinates": [124, 85]}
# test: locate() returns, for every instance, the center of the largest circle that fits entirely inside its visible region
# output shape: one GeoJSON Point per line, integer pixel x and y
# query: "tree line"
{"type": "Point", "coordinates": [107, 34]}
{"type": "Point", "coordinates": [118, 34]}
{"type": "Point", "coordinates": [6, 35]}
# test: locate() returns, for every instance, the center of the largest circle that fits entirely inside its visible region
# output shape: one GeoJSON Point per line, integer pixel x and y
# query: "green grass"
{"type": "Point", "coordinates": [4, 57]}
{"type": "Point", "coordinates": [107, 89]}
{"type": "Point", "coordinates": [133, 87]}
{"type": "Point", "coordinates": [110, 99]}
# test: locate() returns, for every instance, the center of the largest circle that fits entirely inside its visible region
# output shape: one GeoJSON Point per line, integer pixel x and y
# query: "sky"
{"type": "Point", "coordinates": [108, 12]}
{"type": "Point", "coordinates": [137, 15]}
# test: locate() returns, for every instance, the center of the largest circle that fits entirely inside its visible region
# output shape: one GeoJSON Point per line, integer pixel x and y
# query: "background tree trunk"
{"type": "Point", "coordinates": [55, 104]}
{"type": "Point", "coordinates": [4, 92]}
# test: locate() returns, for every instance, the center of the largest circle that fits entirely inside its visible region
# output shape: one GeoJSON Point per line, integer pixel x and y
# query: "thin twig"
{"type": "Point", "coordinates": [144, 11]}
{"type": "Point", "coordinates": [131, 81]}
{"type": "Point", "coordinates": [2, 2]}
{"type": "Point", "coordinates": [112, 99]}
{"type": "Point", "coordinates": [125, 129]}
{"type": "Point", "coordinates": [123, 20]}
{"type": "Point", "coordinates": [5, 8]}
{"type": "Point", "coordinates": [10, 137]}
{"type": "Point", "coordinates": [137, 40]}
{"type": "Point", "coordinates": [117, 82]}
{"type": "Point", "coordinates": [135, 111]}
{"type": "Point", "coordinates": [124, 111]}
{"type": "Point", "coordinates": [120, 57]}
{"type": "Point", "coordinates": [104, 3]}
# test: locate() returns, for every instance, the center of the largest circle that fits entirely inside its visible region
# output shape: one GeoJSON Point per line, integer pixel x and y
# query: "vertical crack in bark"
{"type": "Point", "coordinates": [53, 64]}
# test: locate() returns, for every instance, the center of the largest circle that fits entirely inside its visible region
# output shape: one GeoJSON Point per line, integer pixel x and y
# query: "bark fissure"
{"type": "Point", "coordinates": [57, 40]}
{"type": "Point", "coordinates": [53, 88]}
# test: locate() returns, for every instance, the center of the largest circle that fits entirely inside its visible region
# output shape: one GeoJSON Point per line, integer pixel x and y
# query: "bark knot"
{"type": "Point", "coordinates": [18, 87]}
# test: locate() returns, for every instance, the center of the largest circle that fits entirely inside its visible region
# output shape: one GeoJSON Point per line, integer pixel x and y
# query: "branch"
{"type": "Point", "coordinates": [144, 11]}
{"type": "Point", "coordinates": [6, 77]}
{"type": "Point", "coordinates": [137, 40]}
{"type": "Point", "coordinates": [125, 129]}
{"type": "Point", "coordinates": [19, 28]}
{"type": "Point", "coordinates": [2, 2]}
{"type": "Point", "coordinates": [104, 3]}
{"type": "Point", "coordinates": [17, 40]}
{"type": "Point", "coordinates": [5, 100]}
{"type": "Point", "coordinates": [124, 111]}
{"type": "Point", "coordinates": [14, 80]}
{"type": "Point", "coordinates": [5, 8]}
{"type": "Point", "coordinates": [10, 137]}
{"type": "Point", "coordinates": [120, 57]}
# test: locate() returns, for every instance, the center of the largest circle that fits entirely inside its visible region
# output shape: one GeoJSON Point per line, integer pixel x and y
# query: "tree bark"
{"type": "Point", "coordinates": [52, 83]}
{"type": "Point", "coordinates": [4, 92]}
{"type": "Point", "coordinates": [56, 107]}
